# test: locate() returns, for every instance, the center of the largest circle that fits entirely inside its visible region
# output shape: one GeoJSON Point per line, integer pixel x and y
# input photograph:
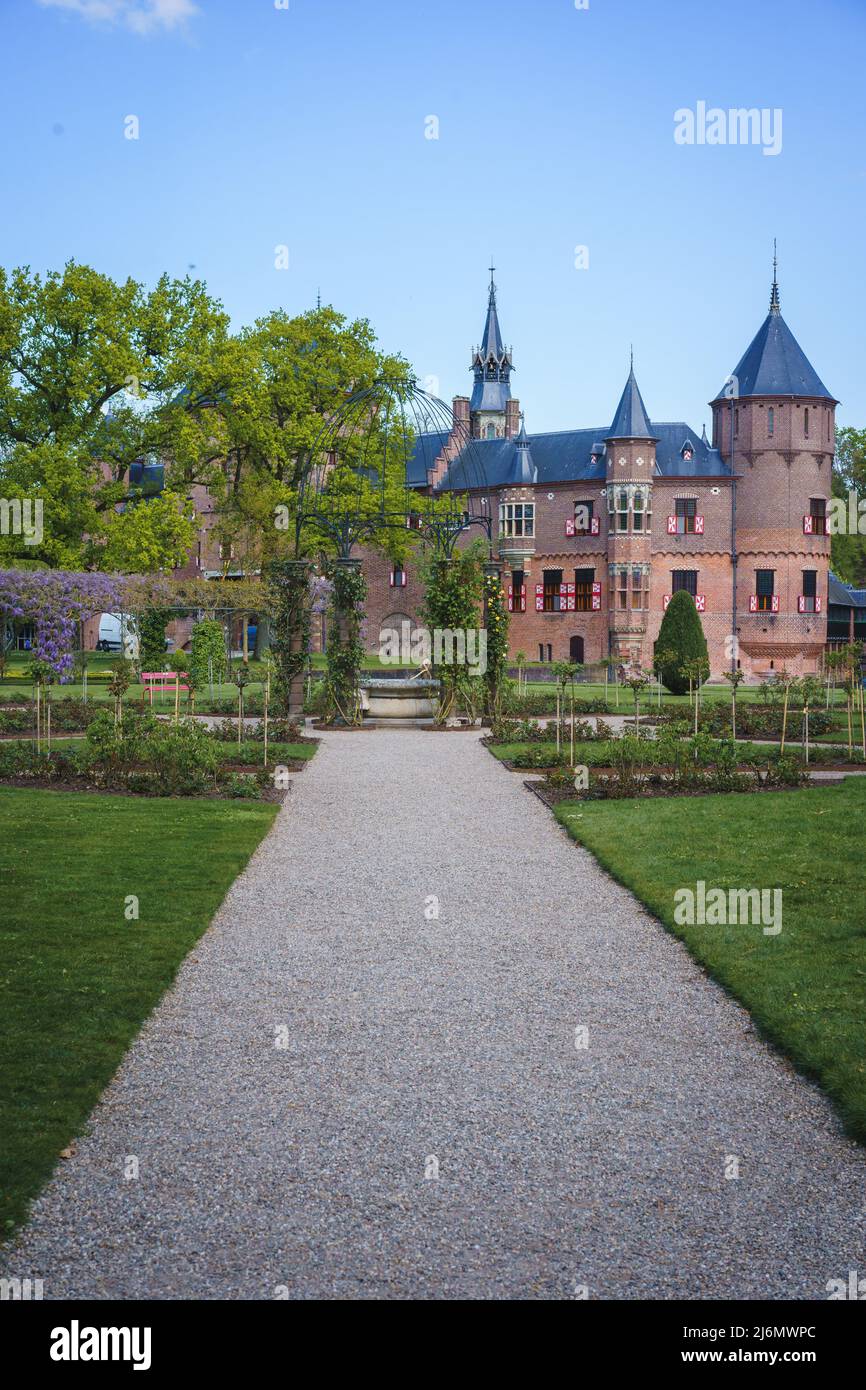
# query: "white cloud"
{"type": "Point", "coordinates": [141, 16]}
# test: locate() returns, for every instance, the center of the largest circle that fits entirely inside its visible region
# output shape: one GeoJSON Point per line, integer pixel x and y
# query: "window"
{"type": "Point", "coordinates": [622, 511]}
{"type": "Point", "coordinates": [542, 649]}
{"type": "Point", "coordinates": [517, 519]}
{"type": "Point", "coordinates": [553, 591]}
{"type": "Point", "coordinates": [736, 421]}
{"type": "Point", "coordinates": [583, 518]}
{"type": "Point", "coordinates": [685, 510]}
{"type": "Point", "coordinates": [765, 581]}
{"type": "Point", "coordinates": [518, 592]}
{"type": "Point", "coordinates": [684, 579]}
{"type": "Point", "coordinates": [638, 592]}
{"type": "Point", "coordinates": [815, 523]}
{"type": "Point", "coordinates": [491, 431]}
{"type": "Point", "coordinates": [637, 512]}
{"type": "Point", "coordinates": [810, 591]}
{"type": "Point", "coordinates": [584, 581]}
{"type": "Point", "coordinates": [227, 550]}
{"type": "Point", "coordinates": [619, 590]}
{"type": "Point", "coordinates": [806, 423]}
{"type": "Point", "coordinates": [398, 577]}
{"type": "Point", "coordinates": [771, 421]}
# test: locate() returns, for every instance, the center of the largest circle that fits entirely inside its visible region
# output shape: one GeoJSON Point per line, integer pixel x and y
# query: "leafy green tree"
{"type": "Point", "coordinates": [680, 641]}
{"type": "Point", "coordinates": [252, 418]}
{"type": "Point", "coordinates": [849, 475]}
{"type": "Point", "coordinates": [89, 369]}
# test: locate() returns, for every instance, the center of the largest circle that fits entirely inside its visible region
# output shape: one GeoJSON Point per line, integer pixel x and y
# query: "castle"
{"type": "Point", "coordinates": [596, 528]}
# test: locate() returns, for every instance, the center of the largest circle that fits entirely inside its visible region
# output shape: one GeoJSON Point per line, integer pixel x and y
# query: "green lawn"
{"type": "Point", "coordinates": [76, 978]}
{"type": "Point", "coordinates": [806, 987]}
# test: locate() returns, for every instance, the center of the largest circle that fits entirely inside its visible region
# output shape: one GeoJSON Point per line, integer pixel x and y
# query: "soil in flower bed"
{"type": "Point", "coordinates": [81, 784]}
{"type": "Point", "coordinates": [556, 796]}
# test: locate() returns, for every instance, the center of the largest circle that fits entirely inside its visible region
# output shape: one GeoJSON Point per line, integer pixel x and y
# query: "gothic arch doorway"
{"type": "Point", "coordinates": [575, 650]}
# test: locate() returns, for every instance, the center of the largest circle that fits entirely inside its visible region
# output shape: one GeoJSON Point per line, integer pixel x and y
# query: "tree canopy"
{"type": "Point", "coordinates": [849, 475]}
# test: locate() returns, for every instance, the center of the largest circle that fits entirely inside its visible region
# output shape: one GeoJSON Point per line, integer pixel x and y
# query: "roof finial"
{"type": "Point", "coordinates": [631, 357]}
{"type": "Point", "coordinates": [775, 305]}
{"type": "Point", "coordinates": [319, 298]}
{"type": "Point", "coordinates": [492, 285]}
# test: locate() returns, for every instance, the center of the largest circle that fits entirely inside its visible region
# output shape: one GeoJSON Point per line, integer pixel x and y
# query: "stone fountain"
{"type": "Point", "coordinates": [410, 699]}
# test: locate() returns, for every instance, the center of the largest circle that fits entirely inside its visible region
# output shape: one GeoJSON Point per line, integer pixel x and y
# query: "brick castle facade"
{"type": "Point", "coordinates": [596, 528]}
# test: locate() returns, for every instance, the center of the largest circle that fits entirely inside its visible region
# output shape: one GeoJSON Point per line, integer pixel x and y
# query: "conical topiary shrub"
{"type": "Point", "coordinates": [681, 639]}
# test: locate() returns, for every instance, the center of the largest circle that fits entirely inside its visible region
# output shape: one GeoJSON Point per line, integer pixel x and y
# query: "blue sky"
{"type": "Point", "coordinates": [262, 126]}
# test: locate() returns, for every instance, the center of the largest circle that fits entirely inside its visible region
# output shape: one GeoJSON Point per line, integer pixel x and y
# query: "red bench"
{"type": "Point", "coordinates": [162, 681]}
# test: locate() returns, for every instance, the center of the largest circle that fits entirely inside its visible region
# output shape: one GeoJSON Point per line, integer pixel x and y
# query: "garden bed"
{"type": "Point", "coordinates": [144, 756]}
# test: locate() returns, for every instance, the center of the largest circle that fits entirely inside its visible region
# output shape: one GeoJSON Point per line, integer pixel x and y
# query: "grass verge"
{"type": "Point", "coordinates": [806, 987]}
{"type": "Point", "coordinates": [76, 978]}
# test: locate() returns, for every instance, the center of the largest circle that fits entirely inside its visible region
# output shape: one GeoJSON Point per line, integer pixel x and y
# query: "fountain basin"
{"type": "Point", "coordinates": [389, 697]}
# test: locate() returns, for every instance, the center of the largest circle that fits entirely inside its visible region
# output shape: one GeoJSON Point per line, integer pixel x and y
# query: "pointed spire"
{"type": "Point", "coordinates": [491, 362]}
{"type": "Point", "coordinates": [524, 470]}
{"type": "Point", "coordinates": [631, 420]}
{"type": "Point", "coordinates": [491, 343]}
{"type": "Point", "coordinates": [775, 304]}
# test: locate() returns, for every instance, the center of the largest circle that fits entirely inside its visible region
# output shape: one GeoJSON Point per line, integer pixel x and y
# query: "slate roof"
{"type": "Point", "coordinates": [491, 363]}
{"type": "Point", "coordinates": [563, 456]}
{"type": "Point", "coordinates": [492, 339]}
{"type": "Point", "coordinates": [774, 364]}
{"type": "Point", "coordinates": [523, 468]}
{"type": "Point", "coordinates": [631, 420]}
{"type": "Point", "coordinates": [845, 595]}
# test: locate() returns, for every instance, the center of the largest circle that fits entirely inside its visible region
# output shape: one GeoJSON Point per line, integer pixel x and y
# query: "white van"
{"type": "Point", "coordinates": [118, 632]}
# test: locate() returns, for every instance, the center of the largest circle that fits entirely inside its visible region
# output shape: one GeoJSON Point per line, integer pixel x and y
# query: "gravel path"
{"type": "Point", "coordinates": [412, 1041]}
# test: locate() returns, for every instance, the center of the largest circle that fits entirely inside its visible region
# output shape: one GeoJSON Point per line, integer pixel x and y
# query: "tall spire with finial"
{"type": "Point", "coordinates": [775, 305]}
{"type": "Point", "coordinates": [491, 362]}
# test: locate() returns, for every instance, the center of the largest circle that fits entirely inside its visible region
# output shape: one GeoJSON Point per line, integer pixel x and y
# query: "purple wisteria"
{"type": "Point", "coordinates": [56, 601]}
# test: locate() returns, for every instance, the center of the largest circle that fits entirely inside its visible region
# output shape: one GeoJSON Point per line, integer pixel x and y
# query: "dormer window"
{"type": "Point", "coordinates": [687, 452]}
{"type": "Point", "coordinates": [491, 431]}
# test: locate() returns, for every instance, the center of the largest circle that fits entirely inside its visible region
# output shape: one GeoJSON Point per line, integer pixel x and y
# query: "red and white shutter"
{"type": "Point", "coordinates": [596, 597]}
{"type": "Point", "coordinates": [808, 525]}
{"type": "Point", "coordinates": [818, 605]}
{"type": "Point", "coordinates": [539, 598]}
{"type": "Point", "coordinates": [701, 603]}
{"type": "Point", "coordinates": [569, 525]}
{"type": "Point", "coordinates": [569, 595]}
{"type": "Point", "coordinates": [801, 604]}
{"type": "Point", "coordinates": [753, 603]}
{"type": "Point", "coordinates": [672, 526]}
{"type": "Point", "coordinates": [595, 526]}
{"type": "Point", "coordinates": [511, 598]}
{"type": "Point", "coordinates": [774, 603]}
{"type": "Point", "coordinates": [699, 525]}
{"type": "Point", "coordinates": [667, 599]}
